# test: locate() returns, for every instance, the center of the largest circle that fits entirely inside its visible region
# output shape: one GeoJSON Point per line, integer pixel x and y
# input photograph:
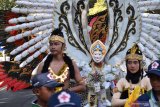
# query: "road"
{"type": "Point", "coordinates": [16, 99]}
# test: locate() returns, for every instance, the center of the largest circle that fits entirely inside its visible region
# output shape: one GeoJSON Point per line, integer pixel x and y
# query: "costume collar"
{"type": "Point", "coordinates": [154, 94]}
{"type": "Point", "coordinates": [34, 104]}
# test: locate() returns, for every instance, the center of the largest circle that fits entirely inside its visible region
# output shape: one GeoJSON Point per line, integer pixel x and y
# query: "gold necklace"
{"type": "Point", "coordinates": [94, 68]}
{"type": "Point", "coordinates": [61, 77]}
{"type": "Point", "coordinates": [130, 89]}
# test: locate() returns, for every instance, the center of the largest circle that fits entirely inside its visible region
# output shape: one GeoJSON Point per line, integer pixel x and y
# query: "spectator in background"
{"type": "Point", "coordinates": [43, 87]}
{"type": "Point", "coordinates": [65, 98]}
{"type": "Point", "coordinates": [152, 97]}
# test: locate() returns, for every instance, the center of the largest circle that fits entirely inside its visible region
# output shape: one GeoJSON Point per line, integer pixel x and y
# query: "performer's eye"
{"type": "Point", "coordinates": [50, 43]}
{"type": "Point", "coordinates": [133, 62]}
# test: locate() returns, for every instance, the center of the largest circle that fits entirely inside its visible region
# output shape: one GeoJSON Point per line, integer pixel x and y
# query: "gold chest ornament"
{"type": "Point", "coordinates": [62, 74]}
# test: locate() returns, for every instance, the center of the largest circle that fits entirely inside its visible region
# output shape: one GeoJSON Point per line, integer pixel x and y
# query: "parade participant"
{"type": "Point", "coordinates": [134, 78]}
{"type": "Point", "coordinates": [99, 77]}
{"type": "Point", "coordinates": [43, 87]}
{"type": "Point", "coordinates": [65, 98]}
{"type": "Point", "coordinates": [14, 71]}
{"type": "Point", "coordinates": [152, 97]}
{"type": "Point", "coordinates": [60, 65]}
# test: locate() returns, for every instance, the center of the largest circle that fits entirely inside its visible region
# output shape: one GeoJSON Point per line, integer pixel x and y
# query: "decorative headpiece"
{"type": "Point", "coordinates": [99, 6]}
{"type": "Point", "coordinates": [98, 46]}
{"type": "Point", "coordinates": [57, 35]}
{"type": "Point", "coordinates": [57, 38]}
{"type": "Point", "coordinates": [134, 53]}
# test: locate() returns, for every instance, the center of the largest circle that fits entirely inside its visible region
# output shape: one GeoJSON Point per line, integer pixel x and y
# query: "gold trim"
{"type": "Point", "coordinates": [99, 6]}
{"type": "Point", "coordinates": [92, 99]}
{"type": "Point", "coordinates": [81, 81]}
{"type": "Point", "coordinates": [134, 49]}
{"type": "Point", "coordinates": [62, 74]}
{"type": "Point", "coordinates": [95, 48]}
{"type": "Point", "coordinates": [57, 38]}
{"type": "Point", "coordinates": [99, 29]}
{"type": "Point", "coordinates": [57, 89]}
{"type": "Point", "coordinates": [134, 56]}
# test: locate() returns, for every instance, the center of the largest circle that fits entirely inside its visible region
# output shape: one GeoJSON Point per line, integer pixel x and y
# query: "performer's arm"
{"type": "Point", "coordinates": [38, 70]}
{"type": "Point", "coordinates": [40, 67]}
{"type": "Point", "coordinates": [148, 84]}
{"type": "Point", "coordinates": [116, 101]}
{"type": "Point", "coordinates": [81, 83]}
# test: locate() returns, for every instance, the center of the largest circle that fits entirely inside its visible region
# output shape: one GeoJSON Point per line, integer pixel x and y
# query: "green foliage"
{"type": "Point", "coordinates": [6, 4]}
{"type": "Point", "coordinates": [1, 54]}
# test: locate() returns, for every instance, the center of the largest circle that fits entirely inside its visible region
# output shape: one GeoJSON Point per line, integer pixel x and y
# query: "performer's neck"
{"type": "Point", "coordinates": [41, 103]}
{"type": "Point", "coordinates": [99, 65]}
{"type": "Point", "coordinates": [58, 57]}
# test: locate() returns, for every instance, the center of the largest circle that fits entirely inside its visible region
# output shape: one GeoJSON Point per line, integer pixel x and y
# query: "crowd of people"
{"type": "Point", "coordinates": [51, 85]}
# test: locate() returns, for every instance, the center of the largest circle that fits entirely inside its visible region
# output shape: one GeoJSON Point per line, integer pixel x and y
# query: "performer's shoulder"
{"type": "Point", "coordinates": [145, 79]}
{"type": "Point", "coordinates": [122, 80]}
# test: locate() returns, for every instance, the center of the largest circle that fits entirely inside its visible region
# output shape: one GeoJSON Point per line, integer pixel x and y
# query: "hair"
{"type": "Point", "coordinates": [57, 32]}
{"type": "Point", "coordinates": [134, 77]}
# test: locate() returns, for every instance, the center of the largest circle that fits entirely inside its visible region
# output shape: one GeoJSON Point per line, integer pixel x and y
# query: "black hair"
{"type": "Point", "coordinates": [47, 63]}
{"type": "Point", "coordinates": [57, 32]}
{"type": "Point", "coordinates": [68, 61]}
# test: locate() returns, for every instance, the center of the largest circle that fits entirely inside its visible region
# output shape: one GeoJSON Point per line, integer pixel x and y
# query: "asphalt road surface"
{"type": "Point", "coordinates": [16, 99]}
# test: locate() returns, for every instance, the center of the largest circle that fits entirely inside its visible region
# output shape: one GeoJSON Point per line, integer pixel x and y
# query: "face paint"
{"type": "Point", "coordinates": [97, 56]}
{"type": "Point", "coordinates": [98, 51]}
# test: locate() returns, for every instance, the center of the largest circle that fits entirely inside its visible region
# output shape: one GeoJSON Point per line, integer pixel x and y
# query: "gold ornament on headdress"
{"type": "Point", "coordinates": [134, 53]}
{"type": "Point", "coordinates": [56, 38]}
{"type": "Point", "coordinates": [98, 46]}
{"type": "Point", "coordinates": [133, 49]}
{"type": "Point", "coordinates": [99, 6]}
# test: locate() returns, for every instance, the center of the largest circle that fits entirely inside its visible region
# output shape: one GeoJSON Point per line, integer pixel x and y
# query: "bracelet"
{"type": "Point", "coordinates": [81, 81]}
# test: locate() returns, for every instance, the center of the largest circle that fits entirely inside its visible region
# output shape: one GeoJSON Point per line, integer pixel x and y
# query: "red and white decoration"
{"type": "Point", "coordinates": [64, 97]}
{"type": "Point", "coordinates": [155, 65]}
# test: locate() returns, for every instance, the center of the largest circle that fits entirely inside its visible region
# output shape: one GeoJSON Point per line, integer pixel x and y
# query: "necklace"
{"type": "Point", "coordinates": [95, 68]}
{"type": "Point", "coordinates": [131, 88]}
{"type": "Point", "coordinates": [62, 74]}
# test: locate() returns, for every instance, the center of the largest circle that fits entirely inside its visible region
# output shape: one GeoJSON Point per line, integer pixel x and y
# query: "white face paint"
{"type": "Point", "coordinates": [97, 56]}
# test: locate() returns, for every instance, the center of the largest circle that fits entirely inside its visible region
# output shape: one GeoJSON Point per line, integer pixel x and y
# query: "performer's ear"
{"type": "Point", "coordinates": [36, 91]}
{"type": "Point", "coordinates": [64, 47]}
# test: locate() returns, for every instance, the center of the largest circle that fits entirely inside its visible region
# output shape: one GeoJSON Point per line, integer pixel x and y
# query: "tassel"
{"type": "Point", "coordinates": [133, 96]}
